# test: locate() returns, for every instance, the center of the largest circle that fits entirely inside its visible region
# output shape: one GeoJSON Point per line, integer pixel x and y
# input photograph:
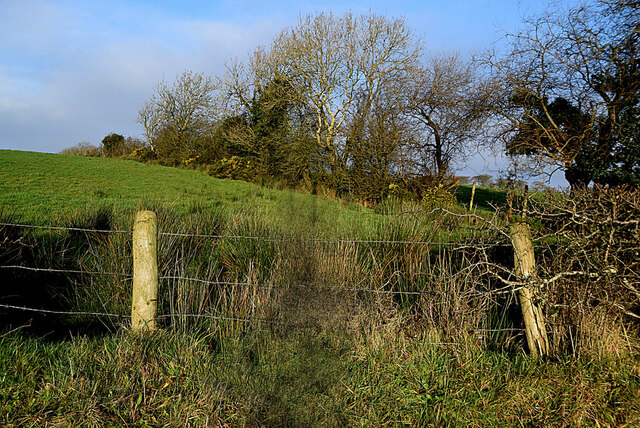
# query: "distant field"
{"type": "Point", "coordinates": [485, 197]}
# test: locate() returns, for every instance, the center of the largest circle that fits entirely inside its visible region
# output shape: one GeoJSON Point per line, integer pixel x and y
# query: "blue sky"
{"type": "Point", "coordinates": [73, 71]}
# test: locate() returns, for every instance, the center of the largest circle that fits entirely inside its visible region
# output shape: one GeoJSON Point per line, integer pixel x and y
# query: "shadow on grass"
{"type": "Point", "coordinates": [30, 261]}
{"type": "Point", "coordinates": [485, 197]}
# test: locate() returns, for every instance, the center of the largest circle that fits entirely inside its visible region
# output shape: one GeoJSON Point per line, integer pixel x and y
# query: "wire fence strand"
{"type": "Point", "coordinates": [339, 241]}
{"type": "Point", "coordinates": [74, 229]}
{"type": "Point", "coordinates": [468, 293]}
{"type": "Point", "coordinates": [210, 316]}
{"type": "Point", "coordinates": [207, 316]}
{"type": "Point", "coordinates": [455, 245]}
{"type": "Point", "coordinates": [58, 312]}
{"type": "Point", "coordinates": [50, 270]}
{"type": "Point", "coordinates": [272, 286]}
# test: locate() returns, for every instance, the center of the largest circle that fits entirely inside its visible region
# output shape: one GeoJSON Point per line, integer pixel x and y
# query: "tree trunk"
{"type": "Point", "coordinates": [575, 177]}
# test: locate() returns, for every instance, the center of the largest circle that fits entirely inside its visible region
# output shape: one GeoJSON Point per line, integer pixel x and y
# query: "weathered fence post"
{"type": "Point", "coordinates": [473, 193]}
{"type": "Point", "coordinates": [525, 264]}
{"type": "Point", "coordinates": [145, 272]}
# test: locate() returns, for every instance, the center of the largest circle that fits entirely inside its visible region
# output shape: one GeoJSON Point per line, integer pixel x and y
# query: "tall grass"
{"type": "Point", "coordinates": [299, 379]}
{"type": "Point", "coordinates": [287, 325]}
{"type": "Point", "coordinates": [228, 273]}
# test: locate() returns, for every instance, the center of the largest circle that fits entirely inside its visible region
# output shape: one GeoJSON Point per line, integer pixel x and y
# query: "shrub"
{"type": "Point", "coordinates": [83, 148]}
{"type": "Point", "coordinates": [437, 196]}
{"type": "Point", "coordinates": [142, 154]}
{"type": "Point", "coordinates": [235, 168]}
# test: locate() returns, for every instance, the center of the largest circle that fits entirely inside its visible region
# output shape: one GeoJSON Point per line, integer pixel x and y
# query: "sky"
{"type": "Point", "coordinates": [75, 71]}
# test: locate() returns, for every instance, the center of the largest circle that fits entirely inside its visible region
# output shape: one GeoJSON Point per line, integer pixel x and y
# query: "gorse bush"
{"type": "Point", "coordinates": [437, 196]}
{"type": "Point", "coordinates": [234, 167]}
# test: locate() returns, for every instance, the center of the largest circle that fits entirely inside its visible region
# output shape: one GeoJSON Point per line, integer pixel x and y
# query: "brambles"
{"type": "Point", "coordinates": [590, 245]}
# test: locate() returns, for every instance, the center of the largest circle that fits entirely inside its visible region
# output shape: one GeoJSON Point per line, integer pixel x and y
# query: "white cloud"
{"type": "Point", "coordinates": [73, 72]}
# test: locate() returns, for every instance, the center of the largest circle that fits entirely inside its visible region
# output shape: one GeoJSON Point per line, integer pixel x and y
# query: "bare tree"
{"type": "Point", "coordinates": [150, 117]}
{"type": "Point", "coordinates": [334, 75]}
{"type": "Point", "coordinates": [338, 67]}
{"type": "Point", "coordinates": [564, 84]}
{"type": "Point", "coordinates": [178, 115]}
{"type": "Point", "coordinates": [448, 103]}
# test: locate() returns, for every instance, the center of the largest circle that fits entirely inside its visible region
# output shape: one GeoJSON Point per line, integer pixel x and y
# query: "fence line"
{"type": "Point", "coordinates": [456, 245]}
{"type": "Point", "coordinates": [303, 284]}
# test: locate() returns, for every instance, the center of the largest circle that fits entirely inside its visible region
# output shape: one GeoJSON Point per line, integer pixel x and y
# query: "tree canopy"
{"type": "Point", "coordinates": [355, 103]}
{"type": "Point", "coordinates": [567, 89]}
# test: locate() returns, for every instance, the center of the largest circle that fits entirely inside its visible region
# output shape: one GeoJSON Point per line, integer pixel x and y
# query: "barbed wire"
{"type": "Point", "coordinates": [398, 292]}
{"type": "Point", "coordinates": [339, 287]}
{"type": "Point", "coordinates": [455, 245]}
{"type": "Point", "coordinates": [271, 286]}
{"type": "Point", "coordinates": [112, 315]}
{"type": "Point", "coordinates": [75, 229]}
{"type": "Point", "coordinates": [464, 294]}
{"type": "Point", "coordinates": [211, 282]}
{"type": "Point", "coordinates": [210, 316]}
{"type": "Point", "coordinates": [206, 316]}
{"type": "Point", "coordinates": [58, 312]}
{"type": "Point", "coordinates": [85, 272]}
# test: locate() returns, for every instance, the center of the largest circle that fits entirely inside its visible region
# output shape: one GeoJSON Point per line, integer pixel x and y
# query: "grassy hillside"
{"type": "Point", "coordinates": [59, 190]}
{"type": "Point", "coordinates": [43, 188]}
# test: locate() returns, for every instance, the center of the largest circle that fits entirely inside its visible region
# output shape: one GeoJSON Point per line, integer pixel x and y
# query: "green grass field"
{"type": "Point", "coordinates": [324, 356]}
{"type": "Point", "coordinates": [484, 198]}
{"type": "Point", "coordinates": [46, 189]}
{"type": "Point", "coordinates": [39, 183]}
{"type": "Point", "coordinates": [51, 189]}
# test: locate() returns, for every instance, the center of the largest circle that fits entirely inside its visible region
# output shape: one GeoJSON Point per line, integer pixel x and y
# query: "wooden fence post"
{"type": "Point", "coordinates": [145, 272]}
{"type": "Point", "coordinates": [473, 193]}
{"type": "Point", "coordinates": [525, 264]}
